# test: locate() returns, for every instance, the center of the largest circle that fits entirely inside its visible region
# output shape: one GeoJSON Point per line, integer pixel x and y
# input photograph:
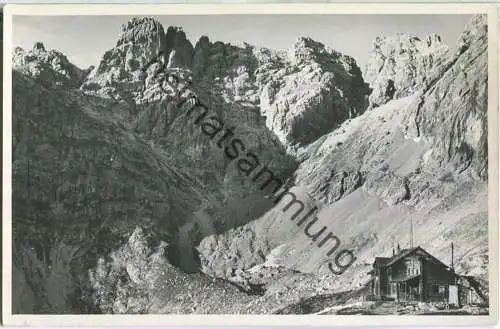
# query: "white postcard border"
{"type": "Point", "coordinates": [237, 9]}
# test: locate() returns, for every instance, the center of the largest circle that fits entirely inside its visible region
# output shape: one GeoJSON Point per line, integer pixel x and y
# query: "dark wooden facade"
{"type": "Point", "coordinates": [411, 275]}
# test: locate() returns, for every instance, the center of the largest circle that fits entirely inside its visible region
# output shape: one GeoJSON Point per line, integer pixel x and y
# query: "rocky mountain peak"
{"type": "Point", "coordinates": [38, 47]}
{"type": "Point", "coordinates": [305, 50]}
{"type": "Point", "coordinates": [49, 66]}
{"type": "Point", "coordinates": [140, 42]}
{"type": "Point", "coordinates": [476, 30]}
{"type": "Point", "coordinates": [311, 92]}
{"type": "Point", "coordinates": [179, 49]}
{"type": "Point", "coordinates": [202, 42]}
{"type": "Point", "coordinates": [433, 39]}
{"type": "Point", "coordinates": [306, 42]}
{"type": "Point", "coordinates": [401, 64]}
{"type": "Point", "coordinates": [141, 30]}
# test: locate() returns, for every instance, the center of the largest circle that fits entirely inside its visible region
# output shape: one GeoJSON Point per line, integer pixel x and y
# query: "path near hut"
{"type": "Point", "coordinates": [348, 303]}
{"type": "Point", "coordinates": [316, 304]}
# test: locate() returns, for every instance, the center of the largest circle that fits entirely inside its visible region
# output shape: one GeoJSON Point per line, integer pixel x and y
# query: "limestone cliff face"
{"type": "Point", "coordinates": [221, 61]}
{"type": "Point", "coordinates": [302, 93]}
{"type": "Point", "coordinates": [316, 90]}
{"type": "Point", "coordinates": [142, 42]}
{"type": "Point", "coordinates": [445, 118]}
{"type": "Point", "coordinates": [451, 113]}
{"type": "Point", "coordinates": [400, 65]}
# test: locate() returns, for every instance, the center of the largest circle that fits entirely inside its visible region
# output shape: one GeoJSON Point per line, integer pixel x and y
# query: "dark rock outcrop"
{"type": "Point", "coordinates": [81, 182]}
{"type": "Point", "coordinates": [178, 48]}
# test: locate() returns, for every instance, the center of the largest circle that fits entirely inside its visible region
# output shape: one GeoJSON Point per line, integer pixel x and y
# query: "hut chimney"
{"type": "Point", "coordinates": [393, 251]}
{"type": "Point", "coordinates": [399, 248]}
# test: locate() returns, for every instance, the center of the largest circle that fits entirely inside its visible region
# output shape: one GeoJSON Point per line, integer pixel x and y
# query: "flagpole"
{"type": "Point", "coordinates": [411, 231]}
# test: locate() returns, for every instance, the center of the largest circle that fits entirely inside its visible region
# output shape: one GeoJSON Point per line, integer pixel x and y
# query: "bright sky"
{"type": "Point", "coordinates": [84, 39]}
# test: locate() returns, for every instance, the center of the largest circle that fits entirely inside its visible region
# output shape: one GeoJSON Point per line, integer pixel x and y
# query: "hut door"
{"type": "Point", "coordinates": [453, 295]}
{"type": "Point", "coordinates": [393, 289]}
